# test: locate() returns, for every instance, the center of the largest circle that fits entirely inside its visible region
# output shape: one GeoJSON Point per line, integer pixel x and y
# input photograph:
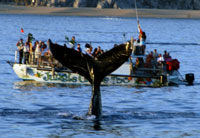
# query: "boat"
{"type": "Point", "coordinates": [126, 75]}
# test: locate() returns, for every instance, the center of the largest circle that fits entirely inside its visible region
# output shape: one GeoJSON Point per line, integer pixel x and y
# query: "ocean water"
{"type": "Point", "coordinates": [29, 109]}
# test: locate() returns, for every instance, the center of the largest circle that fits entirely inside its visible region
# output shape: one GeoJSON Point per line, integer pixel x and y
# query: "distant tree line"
{"type": "Point", "coordinates": [122, 4]}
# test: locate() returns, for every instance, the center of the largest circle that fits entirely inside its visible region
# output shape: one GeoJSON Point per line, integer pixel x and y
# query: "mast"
{"type": "Point", "coordinates": [136, 12]}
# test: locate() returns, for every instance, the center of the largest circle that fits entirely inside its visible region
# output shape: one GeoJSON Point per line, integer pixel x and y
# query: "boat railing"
{"type": "Point", "coordinates": [43, 61]}
{"type": "Point", "coordinates": [149, 69]}
{"type": "Point", "coordinates": [156, 70]}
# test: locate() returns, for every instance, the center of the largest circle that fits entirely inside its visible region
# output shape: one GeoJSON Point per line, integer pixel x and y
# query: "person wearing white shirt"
{"type": "Point", "coordinates": [26, 53]}
{"type": "Point", "coordinates": [160, 59]}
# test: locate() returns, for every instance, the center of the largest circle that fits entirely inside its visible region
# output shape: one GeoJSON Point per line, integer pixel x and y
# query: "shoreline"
{"type": "Point", "coordinates": [95, 12]}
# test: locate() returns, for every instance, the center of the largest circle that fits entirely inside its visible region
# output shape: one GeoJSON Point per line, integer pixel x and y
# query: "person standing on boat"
{"type": "Point", "coordinates": [97, 52]}
{"type": "Point", "coordinates": [43, 48]}
{"type": "Point", "coordinates": [37, 52]}
{"type": "Point", "coordinates": [142, 38]}
{"type": "Point", "coordinates": [167, 56]}
{"type": "Point", "coordinates": [44, 52]}
{"type": "Point", "coordinates": [89, 52]}
{"type": "Point", "coordinates": [88, 49]}
{"type": "Point", "coordinates": [149, 60]}
{"type": "Point", "coordinates": [160, 59]}
{"type": "Point", "coordinates": [72, 42]}
{"type": "Point", "coordinates": [20, 46]}
{"type": "Point", "coordinates": [79, 49]}
{"type": "Point", "coordinates": [33, 51]}
{"type": "Point", "coordinates": [26, 53]}
{"type": "Point", "coordinates": [29, 41]}
{"type": "Point", "coordinates": [155, 54]}
{"type": "Point", "coordinates": [155, 58]}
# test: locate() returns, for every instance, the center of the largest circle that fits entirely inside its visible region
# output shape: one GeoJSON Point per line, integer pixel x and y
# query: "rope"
{"type": "Point", "coordinates": [181, 75]}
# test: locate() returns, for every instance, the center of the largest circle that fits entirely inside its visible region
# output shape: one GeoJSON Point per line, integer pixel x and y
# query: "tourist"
{"type": "Point", "coordinates": [87, 47]}
{"type": "Point", "coordinates": [29, 41]}
{"type": "Point", "coordinates": [43, 45]}
{"type": "Point", "coordinates": [34, 46]}
{"type": "Point", "coordinates": [20, 46]}
{"type": "Point", "coordinates": [44, 52]}
{"type": "Point", "coordinates": [72, 42]}
{"type": "Point", "coordinates": [26, 53]}
{"type": "Point", "coordinates": [142, 39]}
{"type": "Point", "coordinates": [79, 49]}
{"type": "Point", "coordinates": [89, 52]}
{"type": "Point", "coordinates": [91, 48]}
{"type": "Point", "coordinates": [97, 52]}
{"type": "Point", "coordinates": [94, 54]}
{"type": "Point", "coordinates": [142, 35]}
{"type": "Point", "coordinates": [33, 51]}
{"type": "Point", "coordinates": [165, 55]}
{"type": "Point", "coordinates": [155, 57]}
{"type": "Point", "coordinates": [37, 52]}
{"type": "Point", "coordinates": [43, 48]}
{"type": "Point", "coordinates": [169, 58]}
{"type": "Point", "coordinates": [143, 42]}
{"type": "Point", "coordinates": [160, 59]}
{"type": "Point", "coordinates": [149, 59]}
{"type": "Point", "coordinates": [100, 51]}
{"type": "Point", "coordinates": [155, 54]}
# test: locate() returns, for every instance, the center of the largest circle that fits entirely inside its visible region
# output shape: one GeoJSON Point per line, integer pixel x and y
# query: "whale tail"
{"type": "Point", "coordinates": [93, 69]}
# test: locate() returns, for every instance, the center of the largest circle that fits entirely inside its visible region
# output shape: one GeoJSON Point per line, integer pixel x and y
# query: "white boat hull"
{"type": "Point", "coordinates": [31, 72]}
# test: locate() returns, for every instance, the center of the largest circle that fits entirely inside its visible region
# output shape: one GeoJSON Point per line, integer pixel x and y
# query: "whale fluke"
{"type": "Point", "coordinates": [93, 69]}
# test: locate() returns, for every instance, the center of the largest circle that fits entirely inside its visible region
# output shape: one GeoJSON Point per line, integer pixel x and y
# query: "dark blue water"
{"type": "Point", "coordinates": [30, 109]}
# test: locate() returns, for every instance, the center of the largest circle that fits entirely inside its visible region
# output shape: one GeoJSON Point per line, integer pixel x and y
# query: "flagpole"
{"type": "Point", "coordinates": [136, 12]}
